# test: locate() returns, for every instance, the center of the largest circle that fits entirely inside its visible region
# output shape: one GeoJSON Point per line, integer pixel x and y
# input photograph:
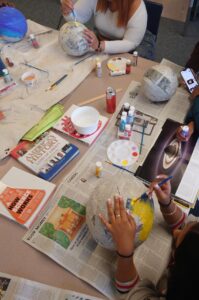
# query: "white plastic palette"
{"type": "Point", "coordinates": [117, 64]}
{"type": "Point", "coordinates": [123, 153]}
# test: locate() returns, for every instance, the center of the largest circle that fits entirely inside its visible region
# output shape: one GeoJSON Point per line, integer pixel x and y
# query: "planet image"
{"type": "Point", "coordinates": [72, 39]}
{"type": "Point", "coordinates": [13, 25]}
{"type": "Point", "coordinates": [171, 154]}
{"type": "Point", "coordinates": [129, 188]}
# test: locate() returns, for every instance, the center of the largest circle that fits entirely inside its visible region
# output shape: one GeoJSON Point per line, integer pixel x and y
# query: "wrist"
{"type": "Point", "coordinates": [166, 203]}
{"type": "Point", "coordinates": [125, 255]}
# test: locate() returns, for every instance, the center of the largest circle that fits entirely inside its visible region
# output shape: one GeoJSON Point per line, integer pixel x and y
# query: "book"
{"type": "Point", "coordinates": [23, 195]}
{"type": "Point", "coordinates": [168, 156]}
{"type": "Point", "coordinates": [47, 155]}
{"type": "Point", "coordinates": [65, 125]}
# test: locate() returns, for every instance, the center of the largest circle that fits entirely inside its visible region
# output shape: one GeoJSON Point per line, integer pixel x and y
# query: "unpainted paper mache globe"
{"type": "Point", "coordinates": [13, 25]}
{"type": "Point", "coordinates": [160, 83]}
{"type": "Point", "coordinates": [72, 39]}
{"type": "Point", "coordinates": [129, 188]}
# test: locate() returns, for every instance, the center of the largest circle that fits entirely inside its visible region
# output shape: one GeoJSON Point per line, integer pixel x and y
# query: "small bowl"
{"type": "Point", "coordinates": [29, 78]}
{"type": "Point", "coordinates": [85, 119]}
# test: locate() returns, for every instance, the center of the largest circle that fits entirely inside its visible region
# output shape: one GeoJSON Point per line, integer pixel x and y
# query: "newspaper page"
{"type": "Point", "coordinates": [16, 288]}
{"type": "Point", "coordinates": [67, 211]}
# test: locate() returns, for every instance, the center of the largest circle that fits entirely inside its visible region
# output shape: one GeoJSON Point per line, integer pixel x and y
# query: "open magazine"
{"type": "Point", "coordinates": [16, 288]}
{"type": "Point", "coordinates": [61, 231]}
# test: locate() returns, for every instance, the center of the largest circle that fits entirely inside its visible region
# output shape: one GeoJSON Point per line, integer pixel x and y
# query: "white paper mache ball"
{"type": "Point", "coordinates": [160, 83]}
{"type": "Point", "coordinates": [72, 39]}
{"type": "Point", "coordinates": [129, 188]}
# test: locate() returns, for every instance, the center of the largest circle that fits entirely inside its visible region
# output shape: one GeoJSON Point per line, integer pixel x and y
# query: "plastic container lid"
{"type": "Point", "coordinates": [98, 164]}
{"type": "Point", "coordinates": [135, 53]}
{"type": "Point", "coordinates": [126, 105]}
{"type": "Point", "coordinates": [5, 71]}
{"type": "Point", "coordinates": [124, 113]}
{"type": "Point", "coordinates": [127, 127]}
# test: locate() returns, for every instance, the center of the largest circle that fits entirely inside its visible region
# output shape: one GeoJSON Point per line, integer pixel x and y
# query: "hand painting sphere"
{"type": "Point", "coordinates": [159, 83]}
{"type": "Point", "coordinates": [13, 25]}
{"type": "Point", "coordinates": [129, 188]}
{"type": "Point", "coordinates": [72, 39]}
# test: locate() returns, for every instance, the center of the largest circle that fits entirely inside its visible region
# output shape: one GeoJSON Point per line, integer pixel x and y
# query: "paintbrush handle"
{"type": "Point", "coordinates": [164, 180]}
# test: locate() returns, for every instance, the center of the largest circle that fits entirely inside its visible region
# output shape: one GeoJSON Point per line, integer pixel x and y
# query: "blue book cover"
{"type": "Point", "coordinates": [47, 155]}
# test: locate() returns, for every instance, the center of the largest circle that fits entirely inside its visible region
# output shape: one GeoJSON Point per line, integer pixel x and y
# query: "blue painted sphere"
{"type": "Point", "coordinates": [13, 25]}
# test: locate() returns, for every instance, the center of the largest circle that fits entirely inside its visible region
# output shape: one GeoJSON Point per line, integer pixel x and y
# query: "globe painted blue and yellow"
{"type": "Point", "coordinates": [13, 25]}
{"type": "Point", "coordinates": [129, 188]}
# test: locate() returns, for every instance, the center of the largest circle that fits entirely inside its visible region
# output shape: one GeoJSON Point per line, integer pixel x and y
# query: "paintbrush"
{"type": "Point", "coordinates": [145, 194]}
{"type": "Point", "coordinates": [119, 167]}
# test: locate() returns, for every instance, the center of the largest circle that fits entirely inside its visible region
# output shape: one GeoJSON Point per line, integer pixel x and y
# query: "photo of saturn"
{"type": "Point", "coordinates": [168, 156]}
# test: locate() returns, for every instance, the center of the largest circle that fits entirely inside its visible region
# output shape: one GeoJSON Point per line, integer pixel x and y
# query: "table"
{"type": "Point", "coordinates": [17, 258]}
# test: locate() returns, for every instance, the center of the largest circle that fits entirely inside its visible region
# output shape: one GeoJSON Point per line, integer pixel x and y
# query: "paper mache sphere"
{"type": "Point", "coordinates": [72, 39]}
{"type": "Point", "coordinates": [160, 83]}
{"type": "Point", "coordinates": [13, 25]}
{"type": "Point", "coordinates": [129, 188]}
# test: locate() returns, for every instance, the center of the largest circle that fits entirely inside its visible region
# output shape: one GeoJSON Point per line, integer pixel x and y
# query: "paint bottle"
{"type": "Point", "coordinates": [6, 76]}
{"type": "Point", "coordinates": [126, 107]}
{"type": "Point", "coordinates": [135, 59]}
{"type": "Point", "coordinates": [124, 113]}
{"type": "Point", "coordinates": [122, 123]}
{"type": "Point", "coordinates": [110, 100]}
{"type": "Point", "coordinates": [185, 131]}
{"type": "Point", "coordinates": [127, 131]}
{"type": "Point", "coordinates": [98, 169]}
{"type": "Point", "coordinates": [98, 69]}
{"type": "Point", "coordinates": [34, 42]}
{"type": "Point", "coordinates": [128, 66]}
{"type": "Point", "coordinates": [130, 117]}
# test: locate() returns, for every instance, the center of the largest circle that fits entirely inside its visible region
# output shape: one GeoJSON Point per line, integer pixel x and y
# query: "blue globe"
{"type": "Point", "coordinates": [13, 25]}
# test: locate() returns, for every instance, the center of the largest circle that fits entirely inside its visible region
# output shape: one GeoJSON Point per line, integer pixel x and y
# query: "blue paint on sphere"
{"type": "Point", "coordinates": [13, 25]}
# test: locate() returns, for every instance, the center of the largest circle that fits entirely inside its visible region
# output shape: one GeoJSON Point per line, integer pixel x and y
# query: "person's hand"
{"type": "Point", "coordinates": [91, 39]}
{"type": "Point", "coordinates": [121, 225]}
{"type": "Point", "coordinates": [66, 6]}
{"type": "Point", "coordinates": [182, 138]}
{"type": "Point", "coordinates": [195, 93]}
{"type": "Point", "coordinates": [163, 193]}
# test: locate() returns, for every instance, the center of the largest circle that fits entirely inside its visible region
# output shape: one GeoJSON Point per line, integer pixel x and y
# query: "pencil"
{"type": "Point", "coordinates": [145, 194]}
{"type": "Point", "coordinates": [119, 167]}
{"type": "Point", "coordinates": [57, 82]}
{"type": "Point", "coordinates": [142, 137]}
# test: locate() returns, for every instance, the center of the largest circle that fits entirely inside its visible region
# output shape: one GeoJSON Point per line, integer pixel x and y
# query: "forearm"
{"type": "Point", "coordinates": [126, 275]}
{"type": "Point", "coordinates": [173, 215]}
{"type": "Point", "coordinates": [83, 9]}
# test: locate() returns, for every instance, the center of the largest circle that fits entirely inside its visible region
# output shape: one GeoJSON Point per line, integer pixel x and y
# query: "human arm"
{"type": "Point", "coordinates": [84, 9]}
{"type": "Point", "coordinates": [122, 227]}
{"type": "Point", "coordinates": [133, 34]}
{"type": "Point", "coordinates": [171, 212]}
{"type": "Point", "coordinates": [193, 61]}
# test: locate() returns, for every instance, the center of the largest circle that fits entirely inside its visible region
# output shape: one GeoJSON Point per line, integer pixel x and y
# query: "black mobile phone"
{"type": "Point", "coordinates": [189, 79]}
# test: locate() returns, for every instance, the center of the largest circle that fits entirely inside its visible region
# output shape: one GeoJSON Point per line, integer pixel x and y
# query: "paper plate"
{"type": "Point", "coordinates": [117, 64]}
{"type": "Point", "coordinates": [123, 153]}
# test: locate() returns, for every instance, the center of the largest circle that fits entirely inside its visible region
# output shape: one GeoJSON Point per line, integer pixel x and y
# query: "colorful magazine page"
{"type": "Point", "coordinates": [47, 155]}
{"type": "Point", "coordinates": [65, 125]}
{"type": "Point", "coordinates": [23, 195]}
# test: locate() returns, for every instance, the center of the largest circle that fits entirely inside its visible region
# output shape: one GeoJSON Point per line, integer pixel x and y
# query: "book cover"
{"type": "Point", "coordinates": [23, 195]}
{"type": "Point", "coordinates": [65, 125]}
{"type": "Point", "coordinates": [47, 155]}
{"type": "Point", "coordinates": [168, 156]}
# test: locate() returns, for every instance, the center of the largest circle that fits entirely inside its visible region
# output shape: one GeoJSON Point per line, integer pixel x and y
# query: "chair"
{"type": "Point", "coordinates": [154, 11]}
{"type": "Point", "coordinates": [147, 47]}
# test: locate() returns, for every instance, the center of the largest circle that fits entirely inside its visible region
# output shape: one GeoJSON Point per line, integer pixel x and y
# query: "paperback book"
{"type": "Point", "coordinates": [65, 125]}
{"type": "Point", "coordinates": [23, 195]}
{"type": "Point", "coordinates": [47, 155]}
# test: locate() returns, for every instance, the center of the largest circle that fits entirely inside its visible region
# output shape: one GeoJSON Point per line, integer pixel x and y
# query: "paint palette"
{"type": "Point", "coordinates": [117, 64]}
{"type": "Point", "coordinates": [123, 153]}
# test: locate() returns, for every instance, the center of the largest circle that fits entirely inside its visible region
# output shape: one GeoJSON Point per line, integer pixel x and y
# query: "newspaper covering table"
{"type": "Point", "coordinates": [16, 288]}
{"type": "Point", "coordinates": [81, 255]}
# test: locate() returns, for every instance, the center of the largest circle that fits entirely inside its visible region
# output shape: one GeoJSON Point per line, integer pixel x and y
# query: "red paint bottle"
{"type": "Point", "coordinates": [110, 100]}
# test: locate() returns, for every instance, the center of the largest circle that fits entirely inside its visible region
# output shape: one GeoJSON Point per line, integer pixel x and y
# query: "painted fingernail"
{"type": "Point", "coordinates": [156, 186]}
{"type": "Point", "coordinates": [109, 201]}
{"type": "Point", "coordinates": [128, 211]}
